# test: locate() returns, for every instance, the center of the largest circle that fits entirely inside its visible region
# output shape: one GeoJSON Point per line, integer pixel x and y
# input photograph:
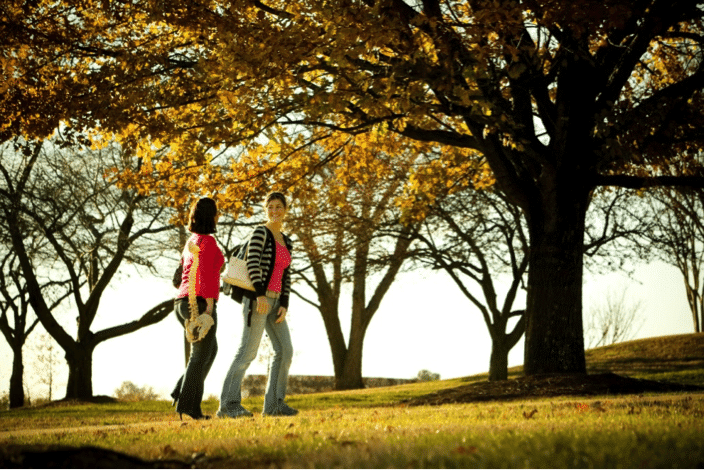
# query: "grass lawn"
{"type": "Point", "coordinates": [369, 428]}
{"type": "Point", "coordinates": [350, 430]}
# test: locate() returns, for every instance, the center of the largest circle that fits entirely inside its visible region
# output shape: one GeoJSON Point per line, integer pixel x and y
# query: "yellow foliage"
{"type": "Point", "coordinates": [234, 98]}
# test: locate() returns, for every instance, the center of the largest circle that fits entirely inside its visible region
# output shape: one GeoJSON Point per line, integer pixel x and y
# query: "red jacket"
{"type": "Point", "coordinates": [210, 262]}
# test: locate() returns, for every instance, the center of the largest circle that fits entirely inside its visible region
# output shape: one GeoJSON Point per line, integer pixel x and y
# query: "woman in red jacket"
{"type": "Point", "coordinates": [202, 261]}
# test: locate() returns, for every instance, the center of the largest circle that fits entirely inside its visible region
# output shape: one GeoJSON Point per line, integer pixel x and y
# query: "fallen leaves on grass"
{"type": "Point", "coordinates": [466, 450]}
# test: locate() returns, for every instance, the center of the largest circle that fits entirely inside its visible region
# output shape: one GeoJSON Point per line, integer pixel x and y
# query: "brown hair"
{"type": "Point", "coordinates": [202, 217]}
{"type": "Point", "coordinates": [275, 195]}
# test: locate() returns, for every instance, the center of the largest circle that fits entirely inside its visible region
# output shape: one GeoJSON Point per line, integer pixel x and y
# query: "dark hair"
{"type": "Point", "coordinates": [275, 195]}
{"type": "Point", "coordinates": [202, 217]}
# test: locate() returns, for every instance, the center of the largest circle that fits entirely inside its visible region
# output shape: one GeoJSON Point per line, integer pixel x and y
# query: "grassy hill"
{"type": "Point", "coordinates": [675, 358]}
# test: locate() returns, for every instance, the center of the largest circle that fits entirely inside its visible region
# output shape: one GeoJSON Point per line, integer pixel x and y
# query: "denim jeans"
{"type": "Point", "coordinates": [189, 388]}
{"type": "Point", "coordinates": [249, 343]}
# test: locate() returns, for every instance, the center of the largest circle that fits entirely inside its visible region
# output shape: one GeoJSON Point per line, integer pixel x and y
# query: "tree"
{"type": "Point", "coordinates": [348, 227]}
{"type": "Point", "coordinates": [90, 233]}
{"type": "Point", "coordinates": [677, 239]}
{"type": "Point", "coordinates": [560, 98]}
{"type": "Point", "coordinates": [46, 362]}
{"type": "Point", "coordinates": [14, 300]}
{"type": "Point", "coordinates": [657, 224]}
{"type": "Point", "coordinates": [613, 319]}
{"type": "Point", "coordinates": [476, 236]}
{"type": "Point", "coordinates": [427, 376]}
{"type": "Point", "coordinates": [128, 391]}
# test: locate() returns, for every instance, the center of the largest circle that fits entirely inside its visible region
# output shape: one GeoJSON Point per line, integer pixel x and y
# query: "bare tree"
{"type": "Point", "coordinates": [475, 236]}
{"type": "Point", "coordinates": [16, 323]}
{"type": "Point", "coordinates": [663, 224]}
{"type": "Point", "coordinates": [14, 302]}
{"type": "Point", "coordinates": [91, 226]}
{"type": "Point", "coordinates": [613, 318]}
{"type": "Point", "coordinates": [678, 240]}
{"type": "Point", "coordinates": [46, 362]}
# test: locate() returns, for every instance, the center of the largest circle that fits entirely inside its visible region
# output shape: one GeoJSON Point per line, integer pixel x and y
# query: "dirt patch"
{"type": "Point", "coordinates": [548, 386]}
{"type": "Point", "coordinates": [66, 402]}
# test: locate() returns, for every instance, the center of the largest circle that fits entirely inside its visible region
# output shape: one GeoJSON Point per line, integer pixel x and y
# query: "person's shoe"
{"type": "Point", "coordinates": [281, 409]}
{"type": "Point", "coordinates": [286, 410]}
{"type": "Point", "coordinates": [196, 417]}
{"type": "Point", "coordinates": [238, 412]}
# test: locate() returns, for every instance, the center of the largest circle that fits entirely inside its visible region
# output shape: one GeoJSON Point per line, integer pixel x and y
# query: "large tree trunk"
{"type": "Point", "coordinates": [80, 362]}
{"type": "Point", "coordinates": [350, 375]}
{"type": "Point", "coordinates": [554, 329]}
{"type": "Point", "coordinates": [499, 361]}
{"type": "Point", "coordinates": [347, 361]}
{"type": "Point", "coordinates": [16, 386]}
{"type": "Point", "coordinates": [503, 342]}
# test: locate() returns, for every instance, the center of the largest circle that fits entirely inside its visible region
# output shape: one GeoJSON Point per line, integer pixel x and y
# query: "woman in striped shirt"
{"type": "Point", "coordinates": [268, 261]}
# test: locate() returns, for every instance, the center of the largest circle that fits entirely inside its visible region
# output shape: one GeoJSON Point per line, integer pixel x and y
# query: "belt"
{"type": "Point", "coordinates": [273, 295]}
{"type": "Point", "coordinates": [185, 299]}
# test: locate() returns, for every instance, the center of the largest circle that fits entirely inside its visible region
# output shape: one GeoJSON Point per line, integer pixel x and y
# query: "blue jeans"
{"type": "Point", "coordinates": [253, 326]}
{"type": "Point", "coordinates": [189, 388]}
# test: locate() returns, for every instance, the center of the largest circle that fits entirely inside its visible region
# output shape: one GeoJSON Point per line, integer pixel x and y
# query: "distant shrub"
{"type": "Point", "coordinates": [427, 376]}
{"type": "Point", "coordinates": [131, 392]}
{"type": "Point", "coordinates": [4, 401]}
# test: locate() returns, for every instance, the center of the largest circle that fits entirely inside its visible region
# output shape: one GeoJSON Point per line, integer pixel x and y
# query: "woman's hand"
{"type": "Point", "coordinates": [281, 315]}
{"type": "Point", "coordinates": [262, 305]}
{"type": "Point", "coordinates": [210, 305]}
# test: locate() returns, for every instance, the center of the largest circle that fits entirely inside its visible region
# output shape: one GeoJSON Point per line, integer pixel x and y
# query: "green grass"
{"type": "Point", "coordinates": [664, 431]}
{"type": "Point", "coordinates": [368, 428]}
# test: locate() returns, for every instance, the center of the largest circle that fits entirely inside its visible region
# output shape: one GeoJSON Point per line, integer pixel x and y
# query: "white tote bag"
{"type": "Point", "coordinates": [237, 274]}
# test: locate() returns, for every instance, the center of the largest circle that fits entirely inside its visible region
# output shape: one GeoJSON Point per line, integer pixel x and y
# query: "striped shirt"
{"type": "Point", "coordinates": [261, 258]}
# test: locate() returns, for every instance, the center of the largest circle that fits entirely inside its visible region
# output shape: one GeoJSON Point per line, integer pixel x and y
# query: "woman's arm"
{"type": "Point", "coordinates": [255, 249]}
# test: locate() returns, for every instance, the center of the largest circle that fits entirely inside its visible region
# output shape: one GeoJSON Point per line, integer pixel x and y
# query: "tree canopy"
{"type": "Point", "coordinates": [556, 97]}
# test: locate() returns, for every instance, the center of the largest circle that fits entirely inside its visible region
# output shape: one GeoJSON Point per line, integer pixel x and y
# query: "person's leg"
{"type": "Point", "coordinates": [252, 329]}
{"type": "Point", "coordinates": [279, 370]}
{"type": "Point", "coordinates": [177, 388]}
{"type": "Point", "coordinates": [213, 351]}
{"type": "Point", "coordinates": [200, 361]}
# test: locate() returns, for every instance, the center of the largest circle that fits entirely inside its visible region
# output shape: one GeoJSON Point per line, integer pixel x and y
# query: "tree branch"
{"type": "Point", "coordinates": [153, 315]}
{"type": "Point", "coordinates": [638, 182]}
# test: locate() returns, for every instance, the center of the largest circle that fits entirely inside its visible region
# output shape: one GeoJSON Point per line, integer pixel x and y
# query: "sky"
{"type": "Point", "coordinates": [424, 322]}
